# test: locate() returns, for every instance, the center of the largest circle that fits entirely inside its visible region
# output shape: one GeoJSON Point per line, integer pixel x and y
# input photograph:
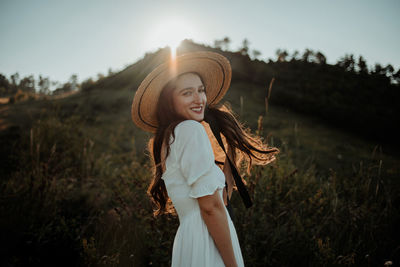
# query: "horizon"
{"type": "Point", "coordinates": [57, 39]}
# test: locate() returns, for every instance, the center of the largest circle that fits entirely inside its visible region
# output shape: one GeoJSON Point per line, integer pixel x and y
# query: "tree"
{"type": "Point", "coordinates": [4, 85]}
{"type": "Point", "coordinates": [307, 55]}
{"type": "Point", "coordinates": [14, 82]}
{"type": "Point", "coordinates": [378, 69]}
{"type": "Point", "coordinates": [27, 84]}
{"type": "Point", "coordinates": [110, 72]}
{"type": "Point", "coordinates": [347, 62]}
{"type": "Point", "coordinates": [218, 44]}
{"type": "Point", "coordinates": [73, 80]}
{"type": "Point", "coordinates": [320, 58]}
{"type": "Point", "coordinates": [44, 85]}
{"type": "Point", "coordinates": [226, 42]}
{"type": "Point", "coordinates": [351, 63]}
{"type": "Point", "coordinates": [87, 84]}
{"type": "Point", "coordinates": [66, 87]}
{"type": "Point", "coordinates": [100, 76]}
{"type": "Point", "coordinates": [362, 65]}
{"type": "Point", "coordinates": [256, 53]}
{"type": "Point", "coordinates": [295, 55]}
{"type": "Point", "coordinates": [388, 70]}
{"type": "Point", "coordinates": [396, 76]}
{"type": "Point", "coordinates": [244, 49]}
{"type": "Point", "coordinates": [69, 86]}
{"type": "Point", "coordinates": [222, 44]}
{"type": "Point", "coordinates": [281, 55]}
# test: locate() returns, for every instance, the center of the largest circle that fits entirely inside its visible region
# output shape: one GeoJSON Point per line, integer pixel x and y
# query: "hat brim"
{"type": "Point", "coordinates": [215, 72]}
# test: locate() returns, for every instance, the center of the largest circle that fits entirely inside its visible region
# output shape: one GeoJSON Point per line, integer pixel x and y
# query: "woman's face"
{"type": "Point", "coordinates": [189, 97]}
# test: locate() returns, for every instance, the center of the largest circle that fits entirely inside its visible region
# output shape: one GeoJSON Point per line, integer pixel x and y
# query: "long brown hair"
{"type": "Point", "coordinates": [246, 145]}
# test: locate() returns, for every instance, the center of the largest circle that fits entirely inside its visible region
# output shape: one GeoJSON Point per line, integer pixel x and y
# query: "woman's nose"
{"type": "Point", "coordinates": [197, 97]}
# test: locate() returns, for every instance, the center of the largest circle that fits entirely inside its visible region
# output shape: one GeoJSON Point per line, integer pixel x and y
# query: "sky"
{"type": "Point", "coordinates": [56, 38]}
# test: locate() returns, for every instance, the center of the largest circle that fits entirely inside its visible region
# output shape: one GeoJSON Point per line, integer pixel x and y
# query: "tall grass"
{"type": "Point", "coordinates": [68, 205]}
{"type": "Point", "coordinates": [302, 219]}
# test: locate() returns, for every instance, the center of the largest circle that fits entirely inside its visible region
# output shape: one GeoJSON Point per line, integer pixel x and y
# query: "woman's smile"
{"type": "Point", "coordinates": [198, 110]}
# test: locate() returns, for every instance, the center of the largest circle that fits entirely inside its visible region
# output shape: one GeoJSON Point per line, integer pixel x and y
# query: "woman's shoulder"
{"type": "Point", "coordinates": [192, 142]}
{"type": "Point", "coordinates": [190, 130]}
{"type": "Point", "coordinates": [189, 127]}
{"type": "Point", "coordinates": [189, 123]}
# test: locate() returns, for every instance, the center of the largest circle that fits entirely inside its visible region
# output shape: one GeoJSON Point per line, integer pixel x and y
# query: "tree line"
{"type": "Point", "coordinates": [349, 63]}
{"type": "Point", "coordinates": [43, 85]}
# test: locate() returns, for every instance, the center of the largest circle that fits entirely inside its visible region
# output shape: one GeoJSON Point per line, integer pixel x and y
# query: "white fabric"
{"type": "Point", "coordinates": [191, 173]}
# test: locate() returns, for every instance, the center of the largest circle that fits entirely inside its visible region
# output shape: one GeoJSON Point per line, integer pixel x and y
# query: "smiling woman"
{"type": "Point", "coordinates": [176, 102]}
{"type": "Point", "coordinates": [171, 32]}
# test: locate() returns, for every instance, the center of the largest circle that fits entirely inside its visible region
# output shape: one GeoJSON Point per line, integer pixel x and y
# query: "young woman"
{"type": "Point", "coordinates": [174, 101]}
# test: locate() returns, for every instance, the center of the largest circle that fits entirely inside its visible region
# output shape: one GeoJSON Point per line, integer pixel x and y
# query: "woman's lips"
{"type": "Point", "coordinates": [198, 110]}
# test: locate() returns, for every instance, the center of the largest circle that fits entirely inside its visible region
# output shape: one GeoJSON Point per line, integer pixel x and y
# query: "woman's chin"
{"type": "Point", "coordinates": [197, 117]}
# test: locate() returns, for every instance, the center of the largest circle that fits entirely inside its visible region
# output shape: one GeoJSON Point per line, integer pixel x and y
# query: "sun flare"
{"type": "Point", "coordinates": [171, 33]}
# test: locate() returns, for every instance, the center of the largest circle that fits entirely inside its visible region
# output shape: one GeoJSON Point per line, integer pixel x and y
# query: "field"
{"type": "Point", "coordinates": [75, 172]}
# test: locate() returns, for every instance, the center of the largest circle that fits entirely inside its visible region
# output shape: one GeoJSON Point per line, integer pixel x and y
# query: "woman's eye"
{"type": "Point", "coordinates": [187, 93]}
{"type": "Point", "coordinates": [202, 90]}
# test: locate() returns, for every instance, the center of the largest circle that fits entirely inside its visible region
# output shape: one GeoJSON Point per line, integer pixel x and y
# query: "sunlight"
{"type": "Point", "coordinates": [170, 33]}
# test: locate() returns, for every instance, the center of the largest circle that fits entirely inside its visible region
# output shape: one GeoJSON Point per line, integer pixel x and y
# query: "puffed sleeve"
{"type": "Point", "coordinates": [196, 160]}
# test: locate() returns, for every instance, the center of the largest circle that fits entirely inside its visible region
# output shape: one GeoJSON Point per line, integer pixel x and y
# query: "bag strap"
{"type": "Point", "coordinates": [229, 206]}
{"type": "Point", "coordinates": [238, 180]}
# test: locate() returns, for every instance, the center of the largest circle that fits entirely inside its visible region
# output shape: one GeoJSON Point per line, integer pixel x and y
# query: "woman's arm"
{"type": "Point", "coordinates": [214, 215]}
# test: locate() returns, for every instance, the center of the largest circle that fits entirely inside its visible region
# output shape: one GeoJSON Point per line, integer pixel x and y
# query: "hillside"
{"type": "Point", "coordinates": [105, 108]}
{"type": "Point", "coordinates": [357, 102]}
{"type": "Point", "coordinates": [361, 104]}
{"type": "Point", "coordinates": [75, 171]}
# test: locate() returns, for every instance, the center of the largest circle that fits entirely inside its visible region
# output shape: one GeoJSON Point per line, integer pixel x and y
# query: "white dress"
{"type": "Point", "coordinates": [191, 173]}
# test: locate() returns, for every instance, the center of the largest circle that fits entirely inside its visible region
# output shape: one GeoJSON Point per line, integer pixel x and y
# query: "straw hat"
{"type": "Point", "coordinates": [215, 72]}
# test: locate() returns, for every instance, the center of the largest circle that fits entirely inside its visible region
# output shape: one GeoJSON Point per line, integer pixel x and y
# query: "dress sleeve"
{"type": "Point", "coordinates": [196, 159]}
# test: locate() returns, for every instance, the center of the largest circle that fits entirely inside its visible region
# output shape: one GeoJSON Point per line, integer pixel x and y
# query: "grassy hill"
{"type": "Point", "coordinates": [105, 107]}
{"type": "Point", "coordinates": [74, 175]}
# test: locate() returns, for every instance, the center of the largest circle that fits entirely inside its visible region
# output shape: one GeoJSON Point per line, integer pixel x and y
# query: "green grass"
{"type": "Point", "coordinates": [107, 113]}
{"type": "Point", "coordinates": [310, 139]}
{"type": "Point", "coordinates": [77, 195]}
